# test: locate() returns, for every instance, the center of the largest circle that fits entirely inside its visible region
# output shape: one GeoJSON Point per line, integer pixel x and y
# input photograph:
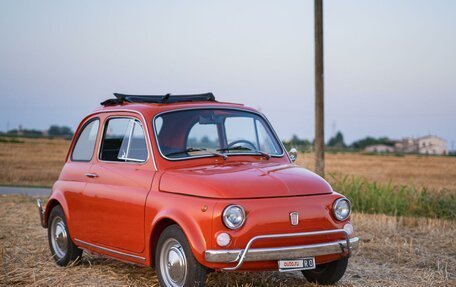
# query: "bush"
{"type": "Point", "coordinates": [12, 140]}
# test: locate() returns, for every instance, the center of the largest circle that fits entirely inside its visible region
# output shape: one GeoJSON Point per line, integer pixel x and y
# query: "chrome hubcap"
{"type": "Point", "coordinates": [173, 263]}
{"type": "Point", "coordinates": [59, 237]}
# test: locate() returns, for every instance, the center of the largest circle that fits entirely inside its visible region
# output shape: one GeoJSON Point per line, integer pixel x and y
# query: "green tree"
{"type": "Point", "coordinates": [301, 145]}
{"type": "Point", "coordinates": [55, 130]}
{"type": "Point", "coordinates": [337, 141]}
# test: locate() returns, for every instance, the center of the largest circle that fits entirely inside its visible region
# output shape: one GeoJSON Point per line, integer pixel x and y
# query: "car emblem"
{"type": "Point", "coordinates": [294, 218]}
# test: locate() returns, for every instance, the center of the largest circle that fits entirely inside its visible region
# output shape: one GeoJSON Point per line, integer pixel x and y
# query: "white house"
{"type": "Point", "coordinates": [423, 145]}
{"type": "Point", "coordinates": [432, 145]}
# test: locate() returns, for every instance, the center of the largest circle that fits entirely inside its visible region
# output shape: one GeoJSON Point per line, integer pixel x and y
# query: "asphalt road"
{"type": "Point", "coordinates": [25, 190]}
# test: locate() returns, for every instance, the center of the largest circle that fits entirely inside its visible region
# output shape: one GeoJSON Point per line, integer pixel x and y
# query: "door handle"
{"type": "Point", "coordinates": [91, 175]}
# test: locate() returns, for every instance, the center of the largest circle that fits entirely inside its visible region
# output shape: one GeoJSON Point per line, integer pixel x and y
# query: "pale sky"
{"type": "Point", "coordinates": [390, 66]}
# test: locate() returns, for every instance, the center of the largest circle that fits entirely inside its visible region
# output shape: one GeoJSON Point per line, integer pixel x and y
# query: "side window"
{"type": "Point", "coordinates": [138, 147]}
{"type": "Point", "coordinates": [123, 141]}
{"type": "Point", "coordinates": [265, 139]}
{"type": "Point", "coordinates": [83, 149]}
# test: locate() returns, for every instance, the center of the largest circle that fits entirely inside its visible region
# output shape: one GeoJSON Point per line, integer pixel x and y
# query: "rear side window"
{"type": "Point", "coordinates": [123, 141]}
{"type": "Point", "coordinates": [83, 149]}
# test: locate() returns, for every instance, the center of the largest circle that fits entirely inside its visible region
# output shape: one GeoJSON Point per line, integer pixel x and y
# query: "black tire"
{"type": "Point", "coordinates": [327, 274]}
{"type": "Point", "coordinates": [70, 253]}
{"type": "Point", "coordinates": [195, 273]}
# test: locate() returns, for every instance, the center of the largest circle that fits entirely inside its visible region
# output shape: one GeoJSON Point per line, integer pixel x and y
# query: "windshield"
{"type": "Point", "coordinates": [214, 132]}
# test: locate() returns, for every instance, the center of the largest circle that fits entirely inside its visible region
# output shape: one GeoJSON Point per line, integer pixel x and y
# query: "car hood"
{"type": "Point", "coordinates": [243, 180]}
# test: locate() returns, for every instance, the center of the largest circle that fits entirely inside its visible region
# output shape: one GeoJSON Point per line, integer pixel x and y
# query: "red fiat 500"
{"type": "Point", "coordinates": [190, 185]}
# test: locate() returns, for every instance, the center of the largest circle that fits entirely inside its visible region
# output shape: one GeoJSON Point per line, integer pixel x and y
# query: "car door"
{"type": "Point", "coordinates": [73, 179]}
{"type": "Point", "coordinates": [121, 179]}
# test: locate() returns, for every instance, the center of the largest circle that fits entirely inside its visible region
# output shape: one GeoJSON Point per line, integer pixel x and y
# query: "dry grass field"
{"type": "Point", "coordinates": [38, 162]}
{"type": "Point", "coordinates": [393, 252]}
{"type": "Point", "coordinates": [433, 172]}
{"type": "Point", "coordinates": [32, 161]}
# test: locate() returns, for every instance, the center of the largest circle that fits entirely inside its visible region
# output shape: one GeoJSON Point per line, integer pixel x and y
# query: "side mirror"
{"type": "Point", "coordinates": [293, 153]}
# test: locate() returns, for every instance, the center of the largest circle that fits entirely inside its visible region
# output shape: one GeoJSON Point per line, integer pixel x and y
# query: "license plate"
{"type": "Point", "coordinates": [297, 264]}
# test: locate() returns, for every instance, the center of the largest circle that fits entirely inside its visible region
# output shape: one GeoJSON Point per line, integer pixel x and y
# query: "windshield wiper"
{"type": "Point", "coordinates": [262, 153]}
{"type": "Point", "coordinates": [187, 150]}
{"type": "Point", "coordinates": [192, 149]}
{"type": "Point", "coordinates": [234, 148]}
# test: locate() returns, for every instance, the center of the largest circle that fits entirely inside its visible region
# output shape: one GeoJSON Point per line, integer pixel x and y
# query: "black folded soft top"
{"type": "Point", "coordinates": [158, 99]}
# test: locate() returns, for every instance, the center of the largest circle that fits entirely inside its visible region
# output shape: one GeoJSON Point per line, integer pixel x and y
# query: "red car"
{"type": "Point", "coordinates": [189, 185]}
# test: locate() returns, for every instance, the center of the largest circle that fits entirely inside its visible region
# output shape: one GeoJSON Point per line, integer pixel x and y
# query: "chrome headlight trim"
{"type": "Point", "coordinates": [225, 215]}
{"type": "Point", "coordinates": [336, 203]}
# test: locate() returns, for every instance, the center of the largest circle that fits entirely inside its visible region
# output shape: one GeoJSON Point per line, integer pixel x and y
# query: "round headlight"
{"type": "Point", "coordinates": [342, 209]}
{"type": "Point", "coordinates": [233, 216]}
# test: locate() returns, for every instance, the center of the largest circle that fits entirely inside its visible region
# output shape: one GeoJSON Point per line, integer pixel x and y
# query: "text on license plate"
{"type": "Point", "coordinates": [297, 264]}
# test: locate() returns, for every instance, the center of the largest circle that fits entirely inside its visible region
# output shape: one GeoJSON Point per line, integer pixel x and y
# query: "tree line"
{"type": "Point", "coordinates": [53, 131]}
{"type": "Point", "coordinates": [337, 142]}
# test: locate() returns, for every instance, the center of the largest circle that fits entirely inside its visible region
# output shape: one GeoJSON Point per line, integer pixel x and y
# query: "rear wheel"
{"type": "Point", "coordinates": [327, 274]}
{"type": "Point", "coordinates": [62, 247]}
{"type": "Point", "coordinates": [174, 261]}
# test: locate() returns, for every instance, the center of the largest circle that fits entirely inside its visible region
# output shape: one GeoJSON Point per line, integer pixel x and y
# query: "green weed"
{"type": "Point", "coordinates": [397, 200]}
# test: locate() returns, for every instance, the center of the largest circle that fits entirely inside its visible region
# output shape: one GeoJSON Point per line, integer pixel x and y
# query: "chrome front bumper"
{"type": "Point", "coordinates": [240, 256]}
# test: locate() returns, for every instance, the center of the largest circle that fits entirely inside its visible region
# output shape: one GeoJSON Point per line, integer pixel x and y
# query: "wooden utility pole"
{"type": "Point", "coordinates": [319, 143]}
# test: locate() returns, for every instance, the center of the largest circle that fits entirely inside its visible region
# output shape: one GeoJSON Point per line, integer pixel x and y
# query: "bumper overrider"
{"type": "Point", "coordinates": [239, 256]}
{"type": "Point", "coordinates": [39, 203]}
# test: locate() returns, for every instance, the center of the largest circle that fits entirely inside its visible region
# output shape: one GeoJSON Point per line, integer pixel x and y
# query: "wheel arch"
{"type": "Point", "coordinates": [54, 200]}
{"type": "Point", "coordinates": [157, 230]}
{"type": "Point", "coordinates": [49, 206]}
{"type": "Point", "coordinates": [191, 231]}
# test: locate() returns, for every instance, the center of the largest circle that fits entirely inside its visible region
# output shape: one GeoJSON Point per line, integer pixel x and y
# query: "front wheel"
{"type": "Point", "coordinates": [327, 274]}
{"type": "Point", "coordinates": [63, 250]}
{"type": "Point", "coordinates": [174, 261]}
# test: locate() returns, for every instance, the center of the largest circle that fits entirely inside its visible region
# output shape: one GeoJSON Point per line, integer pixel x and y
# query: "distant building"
{"type": "Point", "coordinates": [432, 145]}
{"type": "Point", "coordinates": [406, 145]}
{"type": "Point", "coordinates": [380, 148]}
{"type": "Point", "coordinates": [423, 145]}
